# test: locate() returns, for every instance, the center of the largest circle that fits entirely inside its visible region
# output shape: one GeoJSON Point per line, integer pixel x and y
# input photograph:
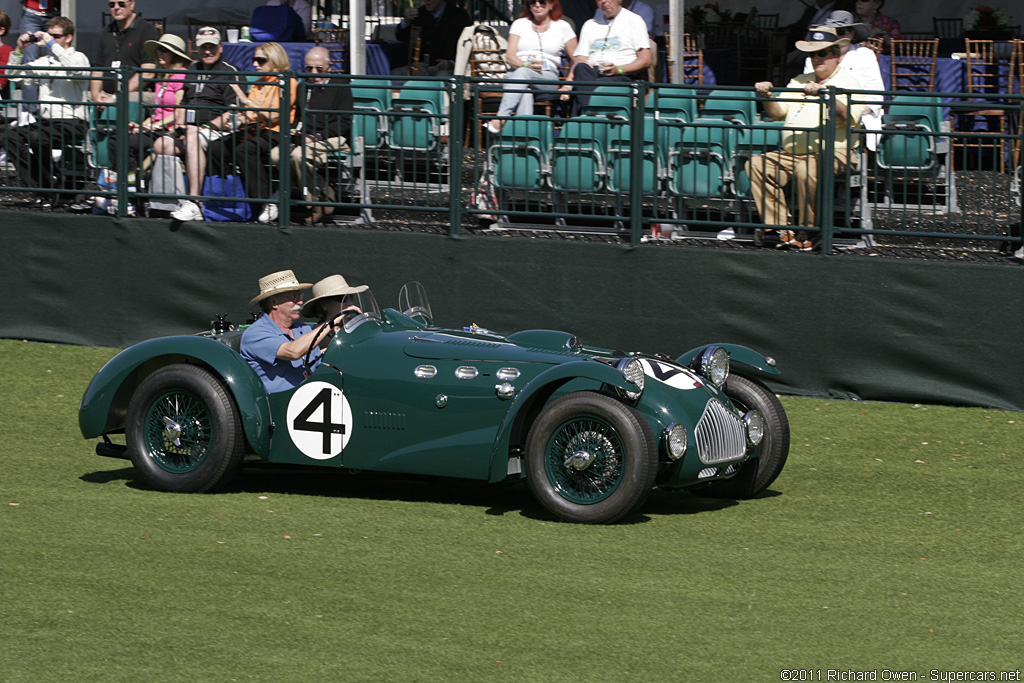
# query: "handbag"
{"type": "Point", "coordinates": [231, 188]}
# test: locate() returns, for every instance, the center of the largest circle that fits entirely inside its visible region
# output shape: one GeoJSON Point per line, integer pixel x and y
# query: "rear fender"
{"type": "Point", "coordinates": [737, 355]}
{"type": "Point", "coordinates": [105, 403]}
{"type": "Point", "coordinates": [532, 398]}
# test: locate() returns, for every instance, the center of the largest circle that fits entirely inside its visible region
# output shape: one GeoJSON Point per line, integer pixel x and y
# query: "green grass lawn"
{"type": "Point", "coordinates": [890, 542]}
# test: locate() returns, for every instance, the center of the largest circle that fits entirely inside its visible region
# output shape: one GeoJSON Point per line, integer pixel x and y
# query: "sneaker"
{"type": "Point", "coordinates": [269, 214]}
{"type": "Point", "coordinates": [1019, 254]}
{"type": "Point", "coordinates": [803, 242]}
{"type": "Point", "coordinates": [187, 211]}
{"type": "Point", "coordinates": [726, 235]}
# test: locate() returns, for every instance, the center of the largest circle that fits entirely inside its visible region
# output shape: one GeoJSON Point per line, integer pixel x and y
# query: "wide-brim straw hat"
{"type": "Point", "coordinates": [170, 42]}
{"type": "Point", "coordinates": [820, 37]}
{"type": "Point", "coordinates": [843, 19]}
{"type": "Point", "coordinates": [332, 285]}
{"type": "Point", "coordinates": [278, 283]}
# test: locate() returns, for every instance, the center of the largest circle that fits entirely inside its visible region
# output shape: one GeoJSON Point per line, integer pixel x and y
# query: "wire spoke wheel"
{"type": "Point", "coordinates": [178, 432]}
{"type": "Point", "coordinates": [584, 460]}
{"type": "Point", "coordinates": [590, 458]}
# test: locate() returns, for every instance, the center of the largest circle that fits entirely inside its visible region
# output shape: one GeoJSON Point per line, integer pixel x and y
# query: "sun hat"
{"type": "Point", "coordinates": [207, 34]}
{"type": "Point", "coordinates": [820, 37]}
{"type": "Point", "coordinates": [277, 283]}
{"type": "Point", "coordinates": [843, 19]}
{"type": "Point", "coordinates": [170, 42]}
{"type": "Point", "coordinates": [332, 285]}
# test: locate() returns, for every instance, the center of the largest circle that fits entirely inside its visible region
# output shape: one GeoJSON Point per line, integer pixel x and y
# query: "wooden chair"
{"type": "Point", "coordinates": [877, 43]}
{"type": "Point", "coordinates": [767, 20]}
{"type": "Point", "coordinates": [1017, 86]}
{"type": "Point", "coordinates": [761, 54]}
{"type": "Point", "coordinates": [693, 60]}
{"type": "Point", "coordinates": [983, 80]}
{"type": "Point", "coordinates": [335, 41]}
{"type": "Point", "coordinates": [912, 64]}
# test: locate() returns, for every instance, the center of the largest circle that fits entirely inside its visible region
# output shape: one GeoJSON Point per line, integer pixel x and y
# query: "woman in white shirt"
{"type": "Point", "coordinates": [536, 42]}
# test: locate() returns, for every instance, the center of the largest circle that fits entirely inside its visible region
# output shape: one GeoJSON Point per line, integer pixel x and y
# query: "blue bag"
{"type": "Point", "coordinates": [221, 210]}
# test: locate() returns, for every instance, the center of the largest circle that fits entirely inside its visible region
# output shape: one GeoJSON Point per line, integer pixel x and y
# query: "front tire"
{"type": "Point", "coordinates": [590, 458]}
{"type": "Point", "coordinates": [183, 431]}
{"type": "Point", "coordinates": [757, 474]}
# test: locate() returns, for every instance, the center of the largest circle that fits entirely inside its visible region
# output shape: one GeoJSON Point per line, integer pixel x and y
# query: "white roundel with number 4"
{"type": "Point", "coordinates": [319, 420]}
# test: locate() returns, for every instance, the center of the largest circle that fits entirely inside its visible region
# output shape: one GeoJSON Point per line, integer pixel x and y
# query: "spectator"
{"type": "Point", "coordinates": [638, 7]}
{"type": "Point", "coordinates": [613, 48]}
{"type": "Point", "coordinates": [321, 132]}
{"type": "Point", "coordinates": [62, 111]}
{"type": "Point", "coordinates": [870, 12]}
{"type": "Point", "coordinates": [815, 14]}
{"type": "Point", "coordinates": [205, 115]}
{"type": "Point", "coordinates": [536, 41]}
{"type": "Point", "coordinates": [170, 53]}
{"type": "Point", "coordinates": [305, 12]}
{"type": "Point", "coordinates": [862, 63]}
{"type": "Point", "coordinates": [5, 52]}
{"type": "Point", "coordinates": [441, 25]}
{"type": "Point", "coordinates": [122, 43]}
{"type": "Point", "coordinates": [34, 15]}
{"type": "Point", "coordinates": [797, 160]}
{"type": "Point", "coordinates": [249, 148]}
{"type": "Point", "coordinates": [276, 343]}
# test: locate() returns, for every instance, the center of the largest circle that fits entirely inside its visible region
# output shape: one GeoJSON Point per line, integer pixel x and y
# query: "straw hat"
{"type": "Point", "coordinates": [332, 285]}
{"type": "Point", "coordinates": [820, 37]}
{"type": "Point", "coordinates": [170, 42]}
{"type": "Point", "coordinates": [277, 283]}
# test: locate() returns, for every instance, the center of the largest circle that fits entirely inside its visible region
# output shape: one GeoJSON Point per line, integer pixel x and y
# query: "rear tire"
{"type": "Point", "coordinates": [183, 431]}
{"type": "Point", "coordinates": [756, 475]}
{"type": "Point", "coordinates": [590, 458]}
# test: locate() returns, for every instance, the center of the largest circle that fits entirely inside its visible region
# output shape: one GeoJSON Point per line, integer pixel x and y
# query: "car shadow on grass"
{"type": "Point", "coordinates": [494, 499]}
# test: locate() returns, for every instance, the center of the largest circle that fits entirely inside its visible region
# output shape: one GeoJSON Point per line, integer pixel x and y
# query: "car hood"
{"type": "Point", "coordinates": [534, 346]}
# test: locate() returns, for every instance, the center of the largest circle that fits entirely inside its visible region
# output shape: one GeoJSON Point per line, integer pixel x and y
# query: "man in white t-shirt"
{"type": "Point", "coordinates": [613, 48]}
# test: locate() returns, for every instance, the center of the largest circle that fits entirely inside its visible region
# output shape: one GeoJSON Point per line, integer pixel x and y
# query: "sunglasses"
{"type": "Point", "coordinates": [117, 3]}
{"type": "Point", "coordinates": [822, 53]}
{"type": "Point", "coordinates": [316, 69]}
{"type": "Point", "coordinates": [260, 60]}
{"type": "Point", "coordinates": [537, 2]}
{"type": "Point", "coordinates": [57, 35]}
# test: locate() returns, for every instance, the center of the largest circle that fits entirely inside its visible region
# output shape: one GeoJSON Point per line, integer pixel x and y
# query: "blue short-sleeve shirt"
{"type": "Point", "coordinates": [259, 347]}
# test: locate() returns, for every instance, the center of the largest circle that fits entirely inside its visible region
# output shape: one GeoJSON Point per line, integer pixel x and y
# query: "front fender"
{"type": "Point", "coordinates": [530, 399]}
{"type": "Point", "coordinates": [737, 354]}
{"type": "Point", "coordinates": [105, 402]}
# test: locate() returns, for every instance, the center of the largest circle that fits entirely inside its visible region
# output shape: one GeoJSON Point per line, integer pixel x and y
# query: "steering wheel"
{"type": "Point", "coordinates": [326, 332]}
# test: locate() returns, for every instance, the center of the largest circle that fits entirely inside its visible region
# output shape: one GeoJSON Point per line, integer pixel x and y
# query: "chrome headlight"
{"type": "Point", "coordinates": [633, 371]}
{"type": "Point", "coordinates": [754, 423]}
{"type": "Point", "coordinates": [675, 440]}
{"type": "Point", "coordinates": [714, 365]}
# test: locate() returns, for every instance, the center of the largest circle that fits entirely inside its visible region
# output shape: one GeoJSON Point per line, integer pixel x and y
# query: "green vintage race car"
{"type": "Point", "coordinates": [591, 430]}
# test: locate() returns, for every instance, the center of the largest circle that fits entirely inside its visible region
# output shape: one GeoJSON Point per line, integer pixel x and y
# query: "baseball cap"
{"type": "Point", "coordinates": [207, 35]}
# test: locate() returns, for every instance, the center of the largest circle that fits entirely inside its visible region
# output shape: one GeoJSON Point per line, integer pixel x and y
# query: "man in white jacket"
{"type": "Point", "coordinates": [61, 75]}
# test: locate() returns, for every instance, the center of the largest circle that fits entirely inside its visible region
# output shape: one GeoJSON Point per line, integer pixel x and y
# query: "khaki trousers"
{"type": "Point", "coordinates": [770, 172]}
{"type": "Point", "coordinates": [309, 156]}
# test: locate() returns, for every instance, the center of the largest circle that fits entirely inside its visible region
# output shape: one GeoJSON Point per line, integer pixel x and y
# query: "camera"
{"type": "Point", "coordinates": [33, 38]}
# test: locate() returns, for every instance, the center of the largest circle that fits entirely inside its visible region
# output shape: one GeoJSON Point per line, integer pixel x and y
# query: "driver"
{"type": "Point", "coordinates": [275, 344]}
{"type": "Point", "coordinates": [333, 296]}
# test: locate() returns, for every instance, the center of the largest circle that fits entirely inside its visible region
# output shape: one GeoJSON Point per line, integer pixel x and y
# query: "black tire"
{"type": "Point", "coordinates": [616, 470]}
{"type": "Point", "coordinates": [758, 474]}
{"type": "Point", "coordinates": [187, 404]}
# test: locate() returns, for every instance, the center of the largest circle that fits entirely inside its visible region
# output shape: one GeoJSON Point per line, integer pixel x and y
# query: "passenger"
{"type": "Point", "coordinates": [249, 148]}
{"type": "Point", "coordinates": [122, 43]}
{"type": "Point", "coordinates": [536, 41]}
{"type": "Point", "coordinates": [62, 113]}
{"type": "Point", "coordinates": [331, 296]}
{"type": "Point", "coordinates": [205, 115]}
{"type": "Point", "coordinates": [321, 133]}
{"type": "Point", "coordinates": [797, 161]}
{"type": "Point", "coordinates": [614, 48]}
{"type": "Point", "coordinates": [277, 342]}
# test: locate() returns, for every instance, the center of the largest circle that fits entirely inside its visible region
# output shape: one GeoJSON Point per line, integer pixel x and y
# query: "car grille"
{"type": "Point", "coordinates": [720, 434]}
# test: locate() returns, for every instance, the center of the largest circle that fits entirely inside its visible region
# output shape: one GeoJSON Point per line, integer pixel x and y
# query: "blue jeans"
{"type": "Point", "coordinates": [517, 96]}
{"type": "Point", "coordinates": [30, 23]}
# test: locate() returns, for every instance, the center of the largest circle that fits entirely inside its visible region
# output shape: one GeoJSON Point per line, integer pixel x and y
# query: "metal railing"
{"type": "Point", "coordinates": [642, 162]}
